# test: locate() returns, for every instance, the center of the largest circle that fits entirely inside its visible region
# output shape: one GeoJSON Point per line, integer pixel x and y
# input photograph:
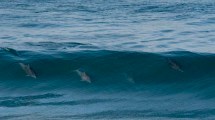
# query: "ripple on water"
{"type": "Point", "coordinates": [38, 25]}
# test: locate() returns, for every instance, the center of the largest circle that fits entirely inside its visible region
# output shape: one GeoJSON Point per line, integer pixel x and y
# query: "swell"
{"type": "Point", "coordinates": [109, 68]}
{"type": "Point", "coordinates": [143, 67]}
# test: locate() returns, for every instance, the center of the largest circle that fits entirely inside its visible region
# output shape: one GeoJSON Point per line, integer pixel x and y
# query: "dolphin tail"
{"type": "Point", "coordinates": [35, 77]}
{"type": "Point", "coordinates": [72, 71]}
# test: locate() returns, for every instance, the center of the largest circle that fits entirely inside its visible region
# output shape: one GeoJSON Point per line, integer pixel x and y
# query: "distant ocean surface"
{"type": "Point", "coordinates": [145, 59]}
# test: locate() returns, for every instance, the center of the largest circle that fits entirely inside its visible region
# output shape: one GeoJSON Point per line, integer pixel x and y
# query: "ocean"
{"type": "Point", "coordinates": [107, 59]}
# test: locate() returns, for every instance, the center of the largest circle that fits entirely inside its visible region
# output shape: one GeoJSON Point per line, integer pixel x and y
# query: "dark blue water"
{"type": "Point", "coordinates": [145, 59]}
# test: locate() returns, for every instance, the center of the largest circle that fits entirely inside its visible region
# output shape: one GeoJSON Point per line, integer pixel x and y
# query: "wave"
{"type": "Point", "coordinates": [32, 100]}
{"type": "Point", "coordinates": [107, 64]}
{"type": "Point", "coordinates": [110, 68]}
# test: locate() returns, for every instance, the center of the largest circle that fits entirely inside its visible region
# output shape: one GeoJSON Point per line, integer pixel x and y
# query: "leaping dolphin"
{"type": "Point", "coordinates": [174, 65]}
{"type": "Point", "coordinates": [28, 70]}
{"type": "Point", "coordinates": [83, 75]}
{"type": "Point", "coordinates": [10, 50]}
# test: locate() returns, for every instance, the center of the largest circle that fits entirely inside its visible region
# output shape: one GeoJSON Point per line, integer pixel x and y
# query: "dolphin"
{"type": "Point", "coordinates": [28, 70]}
{"type": "Point", "coordinates": [174, 65]}
{"type": "Point", "coordinates": [130, 79]}
{"type": "Point", "coordinates": [10, 50]}
{"type": "Point", "coordinates": [83, 75]}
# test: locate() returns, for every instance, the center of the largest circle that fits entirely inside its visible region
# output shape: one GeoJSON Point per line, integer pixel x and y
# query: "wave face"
{"type": "Point", "coordinates": [117, 79]}
{"type": "Point", "coordinates": [107, 59]}
{"type": "Point", "coordinates": [111, 67]}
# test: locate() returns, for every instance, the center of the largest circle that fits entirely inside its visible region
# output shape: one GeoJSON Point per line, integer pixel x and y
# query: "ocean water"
{"type": "Point", "coordinates": [143, 59]}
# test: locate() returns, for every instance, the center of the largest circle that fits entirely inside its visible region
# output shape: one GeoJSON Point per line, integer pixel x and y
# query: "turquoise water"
{"type": "Point", "coordinates": [145, 59]}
